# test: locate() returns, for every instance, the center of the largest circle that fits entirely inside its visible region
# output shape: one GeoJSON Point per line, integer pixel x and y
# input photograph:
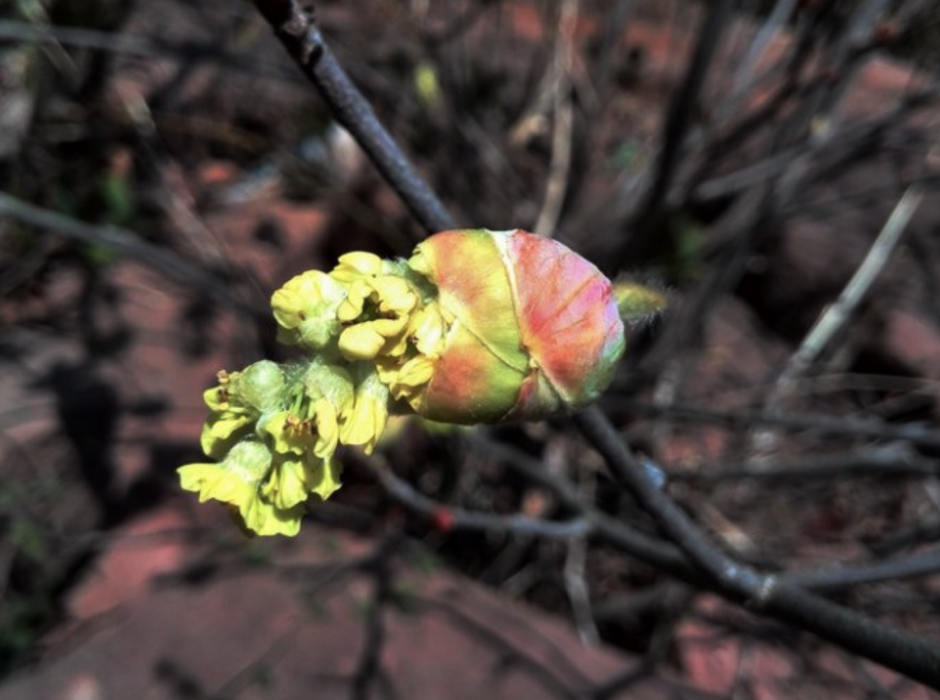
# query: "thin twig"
{"type": "Point", "coordinates": [576, 584]}
{"type": "Point", "coordinates": [560, 166]}
{"type": "Point", "coordinates": [369, 668]}
{"type": "Point", "coordinates": [136, 45]}
{"type": "Point", "coordinates": [578, 592]}
{"type": "Point", "coordinates": [682, 112]}
{"type": "Point", "coordinates": [894, 460]}
{"type": "Point", "coordinates": [303, 40]}
{"type": "Point", "coordinates": [856, 574]}
{"type": "Point", "coordinates": [744, 77]}
{"type": "Point", "coordinates": [664, 555]}
{"type": "Point", "coordinates": [913, 656]}
{"type": "Point", "coordinates": [836, 316]}
{"type": "Point", "coordinates": [921, 434]}
{"type": "Point", "coordinates": [124, 242]}
{"type": "Point", "coordinates": [462, 519]}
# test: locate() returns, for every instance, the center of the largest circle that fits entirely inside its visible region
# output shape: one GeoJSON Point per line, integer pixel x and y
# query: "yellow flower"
{"type": "Point", "coordinates": [392, 302]}
{"type": "Point", "coordinates": [222, 430]}
{"type": "Point", "coordinates": [287, 485]}
{"type": "Point", "coordinates": [229, 420]}
{"type": "Point", "coordinates": [305, 309]}
{"type": "Point", "coordinates": [237, 481]}
{"type": "Point", "coordinates": [394, 294]}
{"type": "Point", "coordinates": [323, 477]}
{"type": "Point", "coordinates": [428, 330]}
{"type": "Point", "coordinates": [361, 342]}
{"type": "Point", "coordinates": [367, 340]}
{"type": "Point", "coordinates": [406, 380]}
{"type": "Point", "coordinates": [265, 519]}
{"type": "Point", "coordinates": [357, 292]}
{"type": "Point", "coordinates": [303, 456]}
{"type": "Point", "coordinates": [236, 404]}
{"type": "Point", "coordinates": [287, 433]}
{"type": "Point", "coordinates": [355, 266]}
{"type": "Point", "coordinates": [327, 429]}
{"type": "Point", "coordinates": [365, 421]}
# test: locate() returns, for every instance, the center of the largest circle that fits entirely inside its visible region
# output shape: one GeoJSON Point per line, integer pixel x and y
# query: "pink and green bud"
{"type": "Point", "coordinates": [533, 328]}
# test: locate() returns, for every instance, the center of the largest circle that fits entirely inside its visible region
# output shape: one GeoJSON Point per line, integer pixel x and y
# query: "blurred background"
{"type": "Point", "coordinates": [773, 165]}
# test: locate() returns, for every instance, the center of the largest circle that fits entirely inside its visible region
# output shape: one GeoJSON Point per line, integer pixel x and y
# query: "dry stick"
{"type": "Point", "coordinates": [369, 667]}
{"type": "Point", "coordinates": [136, 45]}
{"type": "Point", "coordinates": [463, 519]}
{"type": "Point", "coordinates": [835, 317]}
{"type": "Point", "coordinates": [815, 423]}
{"type": "Point", "coordinates": [560, 166]}
{"type": "Point", "coordinates": [579, 594]}
{"type": "Point", "coordinates": [576, 584]}
{"type": "Point", "coordinates": [302, 39]}
{"type": "Point", "coordinates": [898, 650]}
{"type": "Point", "coordinates": [907, 653]}
{"type": "Point", "coordinates": [682, 112]}
{"type": "Point", "coordinates": [744, 77]}
{"type": "Point", "coordinates": [896, 569]}
{"type": "Point", "coordinates": [894, 459]}
{"type": "Point", "coordinates": [124, 242]}
{"type": "Point", "coordinates": [591, 522]}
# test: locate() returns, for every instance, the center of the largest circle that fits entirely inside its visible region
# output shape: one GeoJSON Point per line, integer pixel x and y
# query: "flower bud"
{"type": "Point", "coordinates": [532, 327]}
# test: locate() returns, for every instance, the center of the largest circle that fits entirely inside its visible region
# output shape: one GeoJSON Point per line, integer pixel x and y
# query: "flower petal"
{"type": "Point", "coordinates": [307, 305]}
{"type": "Point", "coordinates": [323, 477]}
{"type": "Point", "coordinates": [287, 485]}
{"type": "Point", "coordinates": [367, 418]}
{"type": "Point", "coordinates": [356, 265]}
{"type": "Point", "coordinates": [222, 431]}
{"type": "Point", "coordinates": [361, 342]}
{"type": "Point", "coordinates": [327, 429]}
{"type": "Point", "coordinates": [265, 519]}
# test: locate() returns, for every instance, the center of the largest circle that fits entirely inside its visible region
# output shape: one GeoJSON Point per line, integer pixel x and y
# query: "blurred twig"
{"type": "Point", "coordinates": [127, 243]}
{"type": "Point", "coordinates": [835, 317]}
{"type": "Point", "coordinates": [563, 114]}
{"type": "Point", "coordinates": [682, 113]}
{"type": "Point", "coordinates": [913, 656]}
{"type": "Point", "coordinates": [369, 668]}
{"type": "Point", "coordinates": [893, 460]}
{"type": "Point", "coordinates": [302, 38]}
{"type": "Point", "coordinates": [829, 579]}
{"type": "Point", "coordinates": [747, 67]}
{"type": "Point", "coordinates": [462, 519]}
{"type": "Point", "coordinates": [921, 434]}
{"type": "Point", "coordinates": [136, 45]}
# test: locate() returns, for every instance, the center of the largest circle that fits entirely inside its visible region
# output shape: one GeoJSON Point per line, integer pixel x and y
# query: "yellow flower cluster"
{"type": "Point", "coordinates": [373, 329]}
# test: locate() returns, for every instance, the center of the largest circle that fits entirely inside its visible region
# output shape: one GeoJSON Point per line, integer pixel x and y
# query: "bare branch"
{"type": "Point", "coordinates": [303, 40]}
{"type": "Point", "coordinates": [462, 519]}
{"type": "Point", "coordinates": [913, 656]}
{"type": "Point", "coordinates": [557, 184]}
{"type": "Point", "coordinates": [125, 242]}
